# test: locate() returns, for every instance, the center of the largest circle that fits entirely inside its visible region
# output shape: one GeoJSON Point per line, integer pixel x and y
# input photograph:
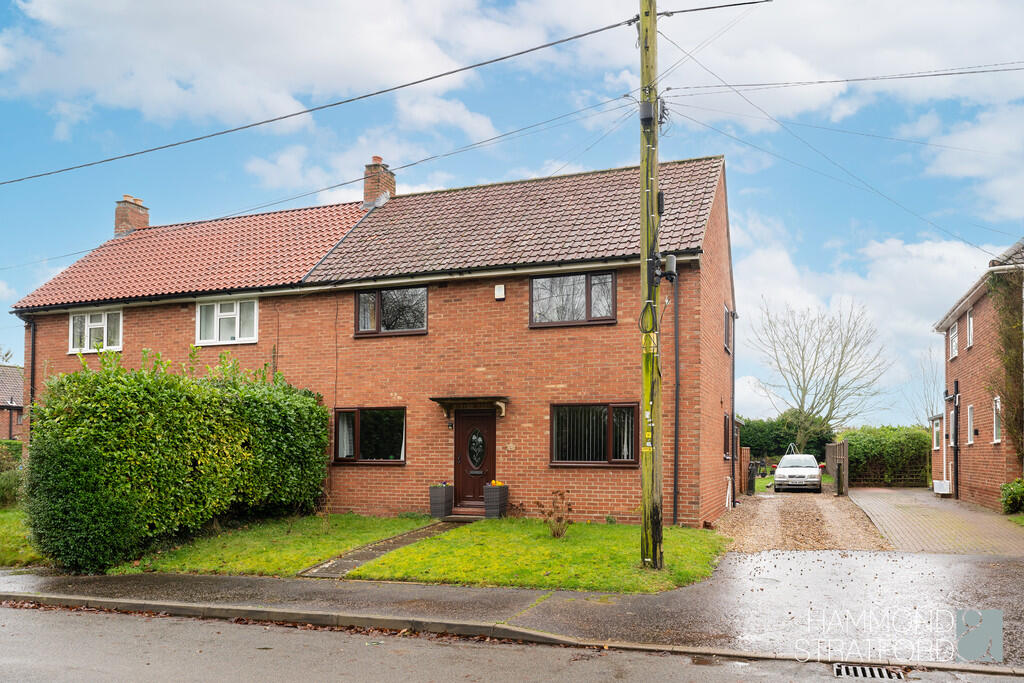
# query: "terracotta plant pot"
{"type": "Point", "coordinates": [442, 499]}
{"type": "Point", "coordinates": [495, 501]}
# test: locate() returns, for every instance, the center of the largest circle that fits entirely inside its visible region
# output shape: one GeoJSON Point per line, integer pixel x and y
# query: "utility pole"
{"type": "Point", "coordinates": [650, 408]}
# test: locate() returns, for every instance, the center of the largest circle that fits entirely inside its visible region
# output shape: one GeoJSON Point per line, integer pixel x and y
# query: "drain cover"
{"type": "Point", "coordinates": [859, 671]}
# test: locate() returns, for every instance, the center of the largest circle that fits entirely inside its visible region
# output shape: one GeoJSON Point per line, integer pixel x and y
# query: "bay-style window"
{"type": "Point", "coordinates": [369, 435]}
{"type": "Point", "coordinates": [401, 310]}
{"type": "Point", "coordinates": [575, 299]}
{"type": "Point", "coordinates": [227, 322]}
{"type": "Point", "coordinates": [97, 330]}
{"type": "Point", "coordinates": [594, 434]}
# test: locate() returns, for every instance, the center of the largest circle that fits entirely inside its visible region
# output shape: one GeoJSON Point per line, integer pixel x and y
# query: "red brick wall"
{"type": "Point", "coordinates": [715, 362]}
{"type": "Point", "coordinates": [984, 466]}
{"type": "Point", "coordinates": [475, 346]}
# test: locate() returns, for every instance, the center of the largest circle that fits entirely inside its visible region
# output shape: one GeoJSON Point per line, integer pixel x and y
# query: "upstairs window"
{"type": "Point", "coordinates": [970, 328]}
{"type": "Point", "coordinates": [997, 420]}
{"type": "Point", "coordinates": [89, 332]}
{"type": "Point", "coordinates": [594, 434]}
{"type": "Point", "coordinates": [391, 311]}
{"type": "Point", "coordinates": [572, 299]}
{"type": "Point", "coordinates": [727, 316]}
{"type": "Point", "coordinates": [371, 435]}
{"type": "Point", "coordinates": [226, 322]}
{"type": "Point", "coordinates": [953, 340]}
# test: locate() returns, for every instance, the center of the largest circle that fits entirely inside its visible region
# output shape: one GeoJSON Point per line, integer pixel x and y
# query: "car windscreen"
{"type": "Point", "coordinates": [798, 460]}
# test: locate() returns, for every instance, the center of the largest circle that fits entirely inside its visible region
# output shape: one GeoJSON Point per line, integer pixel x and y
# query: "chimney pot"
{"type": "Point", "coordinates": [130, 215]}
{"type": "Point", "coordinates": [378, 181]}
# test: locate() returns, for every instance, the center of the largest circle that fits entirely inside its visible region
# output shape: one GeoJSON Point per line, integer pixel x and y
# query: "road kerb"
{"type": "Point", "coordinates": [455, 627]}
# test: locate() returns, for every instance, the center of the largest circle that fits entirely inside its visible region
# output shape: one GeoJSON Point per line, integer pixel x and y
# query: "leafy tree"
{"type": "Point", "coordinates": [771, 437]}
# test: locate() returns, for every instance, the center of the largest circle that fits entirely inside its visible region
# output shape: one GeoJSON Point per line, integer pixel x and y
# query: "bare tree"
{"type": "Point", "coordinates": [924, 393]}
{"type": "Point", "coordinates": [826, 366]}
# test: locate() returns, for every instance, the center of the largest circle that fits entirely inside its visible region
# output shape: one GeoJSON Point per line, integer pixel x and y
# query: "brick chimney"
{"type": "Point", "coordinates": [130, 215]}
{"type": "Point", "coordinates": [377, 180]}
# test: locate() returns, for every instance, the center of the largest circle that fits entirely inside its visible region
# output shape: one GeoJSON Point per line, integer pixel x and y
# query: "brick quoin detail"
{"type": "Point", "coordinates": [984, 466]}
{"type": "Point", "coordinates": [477, 345]}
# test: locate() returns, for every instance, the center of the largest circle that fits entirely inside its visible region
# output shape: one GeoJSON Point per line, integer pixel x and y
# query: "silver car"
{"type": "Point", "coordinates": [798, 471]}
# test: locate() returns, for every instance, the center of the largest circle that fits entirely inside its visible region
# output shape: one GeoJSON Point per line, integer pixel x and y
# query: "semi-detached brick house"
{"type": "Point", "coordinates": [971, 454]}
{"type": "Point", "coordinates": [462, 335]}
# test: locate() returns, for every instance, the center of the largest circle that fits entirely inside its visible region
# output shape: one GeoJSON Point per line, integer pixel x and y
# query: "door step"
{"type": "Point", "coordinates": [464, 515]}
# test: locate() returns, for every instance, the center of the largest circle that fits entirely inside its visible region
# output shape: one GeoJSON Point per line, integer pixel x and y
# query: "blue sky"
{"type": "Point", "coordinates": [79, 81]}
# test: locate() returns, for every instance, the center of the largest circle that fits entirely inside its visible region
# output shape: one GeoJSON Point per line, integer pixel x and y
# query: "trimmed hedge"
{"type": "Point", "coordinates": [122, 458]}
{"type": "Point", "coordinates": [889, 456]}
{"type": "Point", "coordinates": [10, 454]}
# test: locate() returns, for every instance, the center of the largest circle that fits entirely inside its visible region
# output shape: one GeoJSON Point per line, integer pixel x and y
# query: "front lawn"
{"type": "Point", "coordinates": [15, 548]}
{"type": "Point", "coordinates": [521, 552]}
{"type": "Point", "coordinates": [1018, 519]}
{"type": "Point", "coordinates": [762, 484]}
{"type": "Point", "coordinates": [272, 547]}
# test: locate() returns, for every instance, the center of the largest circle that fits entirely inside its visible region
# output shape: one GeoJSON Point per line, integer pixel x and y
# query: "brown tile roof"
{"type": "Point", "coordinates": [585, 216]}
{"type": "Point", "coordinates": [245, 252]}
{"type": "Point", "coordinates": [12, 384]}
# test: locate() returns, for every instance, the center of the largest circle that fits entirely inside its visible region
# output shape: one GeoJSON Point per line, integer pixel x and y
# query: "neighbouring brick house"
{"type": "Point", "coordinates": [971, 454]}
{"type": "Point", "coordinates": [12, 384]}
{"type": "Point", "coordinates": [462, 335]}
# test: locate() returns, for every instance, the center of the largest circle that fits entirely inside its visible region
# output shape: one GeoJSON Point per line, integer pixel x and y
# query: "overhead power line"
{"type": "Point", "coordinates": [714, 88]}
{"type": "Point", "coordinates": [829, 159]}
{"type": "Point", "coordinates": [364, 96]}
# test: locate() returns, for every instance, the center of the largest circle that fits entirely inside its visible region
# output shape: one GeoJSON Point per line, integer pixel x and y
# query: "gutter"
{"type": "Point", "coordinates": [968, 299]}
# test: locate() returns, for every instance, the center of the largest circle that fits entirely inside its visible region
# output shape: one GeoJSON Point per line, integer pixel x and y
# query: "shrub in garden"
{"type": "Point", "coordinates": [10, 485]}
{"type": "Point", "coordinates": [120, 458]}
{"type": "Point", "coordinates": [1011, 495]}
{"type": "Point", "coordinates": [893, 456]}
{"type": "Point", "coordinates": [557, 515]}
{"type": "Point", "coordinates": [10, 454]}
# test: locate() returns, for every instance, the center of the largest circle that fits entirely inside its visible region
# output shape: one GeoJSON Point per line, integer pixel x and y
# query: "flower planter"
{"type": "Point", "coordinates": [442, 498]}
{"type": "Point", "coordinates": [495, 501]}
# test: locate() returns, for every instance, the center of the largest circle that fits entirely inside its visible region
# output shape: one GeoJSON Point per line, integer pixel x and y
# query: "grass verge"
{"type": "Point", "coordinates": [274, 547]}
{"type": "Point", "coordinates": [1017, 519]}
{"type": "Point", "coordinates": [15, 547]}
{"type": "Point", "coordinates": [521, 552]}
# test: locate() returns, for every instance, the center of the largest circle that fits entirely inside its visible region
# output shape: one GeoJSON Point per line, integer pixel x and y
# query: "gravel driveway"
{"type": "Point", "coordinates": [799, 521]}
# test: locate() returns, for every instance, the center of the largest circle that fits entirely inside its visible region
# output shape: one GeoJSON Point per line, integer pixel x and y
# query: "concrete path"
{"type": "Point", "coordinates": [58, 645]}
{"type": "Point", "coordinates": [831, 605]}
{"type": "Point", "coordinates": [341, 565]}
{"type": "Point", "coordinates": [916, 520]}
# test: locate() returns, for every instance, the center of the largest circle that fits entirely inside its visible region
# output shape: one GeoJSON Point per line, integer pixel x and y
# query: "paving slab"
{"type": "Point", "coordinates": [917, 520]}
{"type": "Point", "coordinates": [339, 566]}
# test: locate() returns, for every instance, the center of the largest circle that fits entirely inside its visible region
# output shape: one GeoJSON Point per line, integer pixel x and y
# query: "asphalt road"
{"type": "Point", "coordinates": [60, 645]}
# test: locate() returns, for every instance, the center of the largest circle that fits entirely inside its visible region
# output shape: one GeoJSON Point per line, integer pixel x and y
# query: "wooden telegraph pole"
{"type": "Point", "coordinates": [650, 408]}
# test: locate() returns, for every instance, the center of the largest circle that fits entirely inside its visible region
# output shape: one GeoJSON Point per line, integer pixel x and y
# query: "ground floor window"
{"type": "Point", "coordinates": [369, 435]}
{"type": "Point", "coordinates": [588, 434]}
{"type": "Point", "coordinates": [936, 433]}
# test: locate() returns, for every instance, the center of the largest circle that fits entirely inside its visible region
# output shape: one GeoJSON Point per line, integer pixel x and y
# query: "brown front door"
{"type": "Point", "coordinates": [474, 455]}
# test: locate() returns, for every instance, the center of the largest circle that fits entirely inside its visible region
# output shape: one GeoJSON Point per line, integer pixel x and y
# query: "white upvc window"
{"type": "Point", "coordinates": [954, 341]}
{"type": "Point", "coordinates": [951, 428]}
{"type": "Point", "coordinates": [94, 330]}
{"type": "Point", "coordinates": [970, 424]}
{"type": "Point", "coordinates": [997, 420]}
{"type": "Point", "coordinates": [936, 433]}
{"type": "Point", "coordinates": [232, 321]}
{"type": "Point", "coordinates": [970, 328]}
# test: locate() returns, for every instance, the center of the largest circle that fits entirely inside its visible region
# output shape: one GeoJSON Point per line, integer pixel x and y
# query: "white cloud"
{"type": "Point", "coordinates": [419, 112]}
{"type": "Point", "coordinates": [924, 126]}
{"type": "Point", "coordinates": [7, 292]}
{"type": "Point", "coordinates": [751, 401]}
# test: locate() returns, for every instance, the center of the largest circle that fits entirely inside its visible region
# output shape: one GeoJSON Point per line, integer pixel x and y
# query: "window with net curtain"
{"type": "Point", "coordinates": [97, 330]}
{"type": "Point", "coordinates": [227, 322]}
{"type": "Point", "coordinates": [577, 298]}
{"type": "Point", "coordinates": [594, 433]}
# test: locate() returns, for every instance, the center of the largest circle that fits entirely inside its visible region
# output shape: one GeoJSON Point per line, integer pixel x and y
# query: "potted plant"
{"type": "Point", "coordinates": [442, 498]}
{"type": "Point", "coordinates": [495, 499]}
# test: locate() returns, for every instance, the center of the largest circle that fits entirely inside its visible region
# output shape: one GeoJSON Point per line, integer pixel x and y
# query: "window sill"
{"type": "Point", "coordinates": [396, 333]}
{"type": "Point", "coordinates": [598, 465]}
{"type": "Point", "coordinates": [996, 443]}
{"type": "Point", "coordinates": [75, 352]}
{"type": "Point", "coordinates": [573, 323]}
{"type": "Point", "coordinates": [227, 343]}
{"type": "Point", "coordinates": [367, 463]}
{"type": "Point", "coordinates": [726, 458]}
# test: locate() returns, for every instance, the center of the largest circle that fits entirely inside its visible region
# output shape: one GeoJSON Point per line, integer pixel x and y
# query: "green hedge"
{"type": "Point", "coordinates": [121, 458]}
{"type": "Point", "coordinates": [10, 454]}
{"type": "Point", "coordinates": [889, 456]}
{"type": "Point", "coordinates": [1011, 495]}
